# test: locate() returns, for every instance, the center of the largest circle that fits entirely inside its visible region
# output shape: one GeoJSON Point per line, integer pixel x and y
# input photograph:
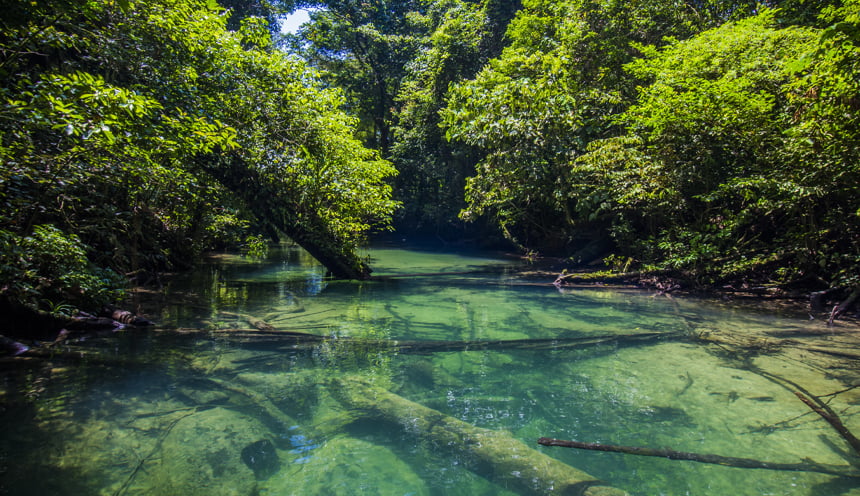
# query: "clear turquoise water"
{"type": "Point", "coordinates": [174, 410]}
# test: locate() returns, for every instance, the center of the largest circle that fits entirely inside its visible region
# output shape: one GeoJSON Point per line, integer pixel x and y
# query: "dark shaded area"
{"type": "Point", "coordinates": [262, 458]}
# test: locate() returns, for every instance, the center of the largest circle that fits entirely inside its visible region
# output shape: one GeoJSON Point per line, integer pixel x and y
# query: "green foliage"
{"type": "Point", "coordinates": [256, 246]}
{"type": "Point", "coordinates": [115, 119]}
{"type": "Point", "coordinates": [363, 47]}
{"type": "Point", "coordinates": [823, 146]}
{"type": "Point", "coordinates": [267, 12]}
{"type": "Point", "coordinates": [432, 172]}
{"type": "Point", "coordinates": [760, 172]}
{"type": "Point", "coordinates": [538, 106]}
{"type": "Point", "coordinates": [718, 139]}
{"type": "Point", "coordinates": [50, 270]}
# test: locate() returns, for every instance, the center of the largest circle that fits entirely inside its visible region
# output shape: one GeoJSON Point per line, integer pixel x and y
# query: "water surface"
{"type": "Point", "coordinates": [229, 396]}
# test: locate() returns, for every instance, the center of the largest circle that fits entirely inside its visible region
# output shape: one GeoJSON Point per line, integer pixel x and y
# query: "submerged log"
{"type": "Point", "coordinates": [432, 274]}
{"type": "Point", "coordinates": [805, 466]}
{"type": "Point", "coordinates": [255, 322]}
{"type": "Point", "coordinates": [622, 340]}
{"type": "Point", "coordinates": [817, 405]}
{"type": "Point", "coordinates": [492, 454]}
{"type": "Point", "coordinates": [295, 339]}
{"type": "Point", "coordinates": [275, 416]}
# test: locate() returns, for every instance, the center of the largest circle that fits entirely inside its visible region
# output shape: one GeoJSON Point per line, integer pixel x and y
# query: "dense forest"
{"type": "Point", "coordinates": [714, 140]}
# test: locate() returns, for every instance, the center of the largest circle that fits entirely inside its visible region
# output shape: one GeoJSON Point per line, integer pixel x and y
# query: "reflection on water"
{"type": "Point", "coordinates": [264, 378]}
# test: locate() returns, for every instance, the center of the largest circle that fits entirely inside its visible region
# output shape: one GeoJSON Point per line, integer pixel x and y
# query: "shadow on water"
{"type": "Point", "coordinates": [264, 378]}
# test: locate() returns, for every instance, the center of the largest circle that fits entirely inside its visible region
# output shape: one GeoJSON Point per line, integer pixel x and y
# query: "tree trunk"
{"type": "Point", "coordinates": [301, 224]}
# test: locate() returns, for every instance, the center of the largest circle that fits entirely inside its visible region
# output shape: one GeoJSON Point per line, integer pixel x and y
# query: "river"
{"type": "Point", "coordinates": [262, 377]}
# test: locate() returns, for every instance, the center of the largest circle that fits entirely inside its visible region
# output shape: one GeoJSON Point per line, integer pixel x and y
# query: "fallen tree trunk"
{"type": "Point", "coordinates": [805, 466]}
{"type": "Point", "coordinates": [294, 339]}
{"type": "Point", "coordinates": [275, 417]}
{"type": "Point", "coordinates": [492, 454]}
{"type": "Point", "coordinates": [622, 340]}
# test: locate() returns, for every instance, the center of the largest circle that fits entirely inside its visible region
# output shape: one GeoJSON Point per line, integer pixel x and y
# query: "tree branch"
{"type": "Point", "coordinates": [832, 418]}
{"type": "Point", "coordinates": [805, 466]}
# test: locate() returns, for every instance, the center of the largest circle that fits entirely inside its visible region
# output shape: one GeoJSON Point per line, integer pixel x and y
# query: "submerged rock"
{"type": "Point", "coordinates": [346, 466]}
{"type": "Point", "coordinates": [203, 456]}
{"type": "Point", "coordinates": [262, 458]}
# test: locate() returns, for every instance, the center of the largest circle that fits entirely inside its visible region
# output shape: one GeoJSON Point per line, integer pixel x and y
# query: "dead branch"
{"type": "Point", "coordinates": [817, 405]}
{"type": "Point", "coordinates": [274, 415]}
{"type": "Point", "coordinates": [805, 466]}
{"type": "Point", "coordinates": [827, 413]}
{"type": "Point", "coordinates": [141, 461]}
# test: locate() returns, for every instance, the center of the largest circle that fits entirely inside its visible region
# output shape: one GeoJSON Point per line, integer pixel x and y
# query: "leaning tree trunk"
{"type": "Point", "coordinates": [303, 225]}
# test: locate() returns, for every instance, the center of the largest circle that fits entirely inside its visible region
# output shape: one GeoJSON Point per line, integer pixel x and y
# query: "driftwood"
{"type": "Point", "coordinates": [805, 466]}
{"type": "Point", "coordinates": [109, 319]}
{"type": "Point", "coordinates": [596, 277]}
{"type": "Point", "coordinates": [493, 454]}
{"type": "Point", "coordinates": [124, 316]}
